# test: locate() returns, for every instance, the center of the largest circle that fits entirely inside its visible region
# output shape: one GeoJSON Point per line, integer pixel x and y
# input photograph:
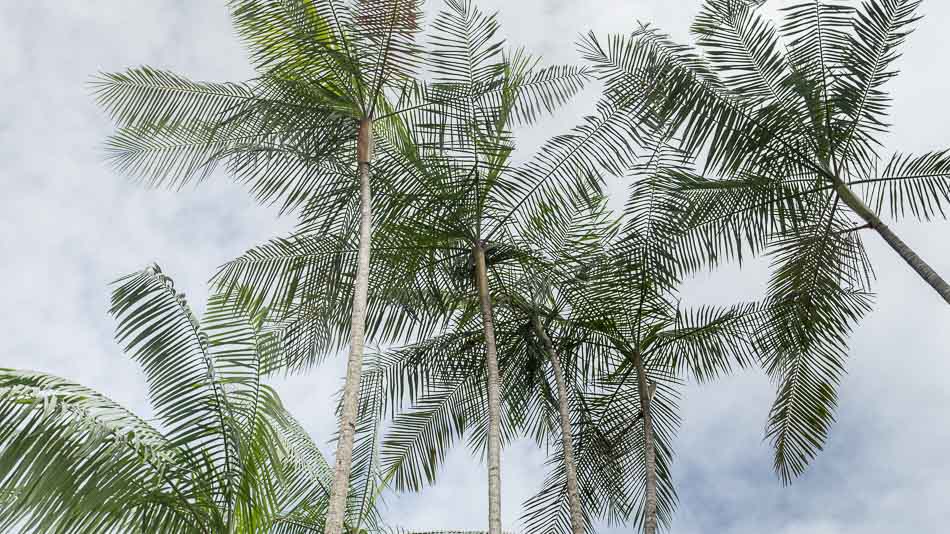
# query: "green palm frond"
{"type": "Point", "coordinates": [443, 380]}
{"type": "Point", "coordinates": [60, 441]}
{"type": "Point", "coordinates": [707, 341]}
{"type": "Point", "coordinates": [879, 28]}
{"type": "Point", "coordinates": [740, 41]}
{"type": "Point", "coordinates": [305, 41]}
{"type": "Point", "coordinates": [567, 168]}
{"type": "Point", "coordinates": [157, 328]}
{"type": "Point", "coordinates": [787, 124]}
{"type": "Point", "coordinates": [654, 237]}
{"type": "Point", "coordinates": [465, 51]}
{"type": "Point", "coordinates": [227, 458]}
{"type": "Point", "coordinates": [540, 90]}
{"type": "Point", "coordinates": [387, 33]}
{"type": "Point", "coordinates": [156, 98]}
{"type": "Point", "coordinates": [914, 185]}
{"type": "Point", "coordinates": [608, 446]}
{"type": "Point", "coordinates": [725, 219]}
{"type": "Point", "coordinates": [817, 296]}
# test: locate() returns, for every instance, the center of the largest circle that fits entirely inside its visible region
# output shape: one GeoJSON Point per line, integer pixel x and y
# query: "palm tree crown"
{"type": "Point", "coordinates": [787, 124]}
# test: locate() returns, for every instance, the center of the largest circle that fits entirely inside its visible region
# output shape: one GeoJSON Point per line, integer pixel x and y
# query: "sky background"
{"type": "Point", "coordinates": [69, 225]}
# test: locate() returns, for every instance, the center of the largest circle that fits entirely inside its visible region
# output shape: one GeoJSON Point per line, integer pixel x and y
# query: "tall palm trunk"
{"type": "Point", "coordinates": [494, 392]}
{"type": "Point", "coordinates": [567, 443]}
{"type": "Point", "coordinates": [649, 448]}
{"type": "Point", "coordinates": [354, 365]}
{"type": "Point", "coordinates": [874, 222]}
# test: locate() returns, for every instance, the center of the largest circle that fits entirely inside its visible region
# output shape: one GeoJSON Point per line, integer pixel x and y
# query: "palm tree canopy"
{"type": "Point", "coordinates": [596, 289]}
{"type": "Point", "coordinates": [787, 123]}
{"type": "Point", "coordinates": [290, 132]}
{"type": "Point", "coordinates": [449, 154]}
{"type": "Point", "coordinates": [225, 455]}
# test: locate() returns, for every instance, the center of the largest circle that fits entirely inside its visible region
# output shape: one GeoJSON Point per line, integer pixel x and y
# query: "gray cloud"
{"type": "Point", "coordinates": [69, 225]}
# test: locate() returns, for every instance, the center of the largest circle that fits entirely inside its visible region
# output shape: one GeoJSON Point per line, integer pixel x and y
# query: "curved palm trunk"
{"type": "Point", "coordinates": [649, 448]}
{"type": "Point", "coordinates": [567, 443]}
{"type": "Point", "coordinates": [494, 392]}
{"type": "Point", "coordinates": [354, 365]}
{"type": "Point", "coordinates": [923, 269]}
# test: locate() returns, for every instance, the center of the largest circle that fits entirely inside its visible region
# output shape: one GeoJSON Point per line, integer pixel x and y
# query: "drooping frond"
{"type": "Point", "coordinates": [817, 295]}
{"type": "Point", "coordinates": [304, 479]}
{"type": "Point", "coordinates": [443, 380]}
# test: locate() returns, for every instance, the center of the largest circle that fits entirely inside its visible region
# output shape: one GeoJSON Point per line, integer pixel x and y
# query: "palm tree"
{"type": "Point", "coordinates": [333, 76]}
{"type": "Point", "coordinates": [326, 70]}
{"type": "Point", "coordinates": [787, 122]}
{"type": "Point", "coordinates": [226, 455]}
{"type": "Point", "coordinates": [613, 304]}
{"type": "Point", "coordinates": [572, 294]}
{"type": "Point", "coordinates": [453, 159]}
{"type": "Point", "coordinates": [607, 340]}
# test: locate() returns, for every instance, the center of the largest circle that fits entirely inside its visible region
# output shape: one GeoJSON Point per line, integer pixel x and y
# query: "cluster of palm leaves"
{"type": "Point", "coordinates": [508, 300]}
{"type": "Point", "coordinates": [226, 455]}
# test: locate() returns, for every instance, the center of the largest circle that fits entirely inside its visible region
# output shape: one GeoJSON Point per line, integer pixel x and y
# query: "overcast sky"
{"type": "Point", "coordinates": [69, 225]}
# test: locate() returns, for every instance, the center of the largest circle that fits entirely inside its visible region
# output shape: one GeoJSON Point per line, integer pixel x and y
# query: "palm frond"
{"type": "Point", "coordinates": [157, 328]}
{"type": "Point", "coordinates": [147, 97]}
{"type": "Point", "coordinates": [568, 168]}
{"type": "Point", "coordinates": [817, 296]}
{"type": "Point", "coordinates": [879, 28]}
{"type": "Point", "coordinates": [385, 37]}
{"type": "Point", "coordinates": [59, 440]}
{"type": "Point", "coordinates": [743, 44]}
{"type": "Point", "coordinates": [915, 185]}
{"type": "Point", "coordinates": [465, 51]}
{"type": "Point", "coordinates": [305, 41]}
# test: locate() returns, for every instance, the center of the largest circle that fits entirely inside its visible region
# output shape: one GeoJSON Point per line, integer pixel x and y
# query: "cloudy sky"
{"type": "Point", "coordinates": [69, 225]}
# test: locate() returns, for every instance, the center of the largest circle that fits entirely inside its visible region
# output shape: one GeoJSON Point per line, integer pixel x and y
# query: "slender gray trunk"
{"type": "Point", "coordinates": [354, 365]}
{"type": "Point", "coordinates": [923, 269]}
{"type": "Point", "coordinates": [649, 448]}
{"type": "Point", "coordinates": [567, 442]}
{"type": "Point", "coordinates": [494, 392]}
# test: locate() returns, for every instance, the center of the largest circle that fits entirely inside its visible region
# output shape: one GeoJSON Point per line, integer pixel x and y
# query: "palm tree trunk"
{"type": "Point", "coordinates": [354, 365]}
{"type": "Point", "coordinates": [923, 269]}
{"type": "Point", "coordinates": [567, 443]}
{"type": "Point", "coordinates": [649, 448]}
{"type": "Point", "coordinates": [494, 392]}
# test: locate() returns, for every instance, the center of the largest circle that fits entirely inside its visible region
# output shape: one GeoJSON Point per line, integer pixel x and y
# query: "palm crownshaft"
{"type": "Point", "coordinates": [906, 253]}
